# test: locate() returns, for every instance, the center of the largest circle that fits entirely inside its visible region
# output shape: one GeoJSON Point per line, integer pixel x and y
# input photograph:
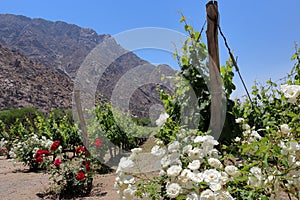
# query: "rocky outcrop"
{"type": "Point", "coordinates": [24, 83]}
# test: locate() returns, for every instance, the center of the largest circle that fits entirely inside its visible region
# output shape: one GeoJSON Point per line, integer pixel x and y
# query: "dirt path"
{"type": "Point", "coordinates": [16, 183]}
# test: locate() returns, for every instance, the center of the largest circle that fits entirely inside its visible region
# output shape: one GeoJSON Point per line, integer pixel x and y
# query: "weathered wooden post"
{"type": "Point", "coordinates": [212, 18]}
{"type": "Point", "coordinates": [82, 122]}
{"type": "Point", "coordinates": [215, 83]}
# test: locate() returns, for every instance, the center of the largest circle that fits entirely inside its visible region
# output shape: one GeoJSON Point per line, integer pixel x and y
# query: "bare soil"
{"type": "Point", "coordinates": [17, 183]}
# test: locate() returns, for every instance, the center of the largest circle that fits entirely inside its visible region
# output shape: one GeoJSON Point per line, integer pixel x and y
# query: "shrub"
{"type": "Point", "coordinates": [9, 117]}
{"type": "Point", "coordinates": [24, 150]}
{"type": "Point", "coordinates": [263, 162]}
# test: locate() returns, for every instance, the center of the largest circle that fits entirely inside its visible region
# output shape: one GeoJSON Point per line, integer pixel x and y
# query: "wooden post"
{"type": "Point", "coordinates": [82, 122]}
{"type": "Point", "coordinates": [212, 32]}
{"type": "Point", "coordinates": [217, 108]}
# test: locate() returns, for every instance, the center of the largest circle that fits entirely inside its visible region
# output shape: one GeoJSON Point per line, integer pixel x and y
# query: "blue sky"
{"type": "Point", "coordinates": [261, 33]}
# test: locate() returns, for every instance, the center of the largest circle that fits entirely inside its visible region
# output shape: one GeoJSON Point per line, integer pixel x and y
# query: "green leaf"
{"type": "Point", "coordinates": [263, 197]}
{"type": "Point", "coordinates": [182, 19]}
{"type": "Point", "coordinates": [187, 27]}
{"type": "Point", "coordinates": [294, 57]}
{"type": "Point", "coordinates": [181, 197]}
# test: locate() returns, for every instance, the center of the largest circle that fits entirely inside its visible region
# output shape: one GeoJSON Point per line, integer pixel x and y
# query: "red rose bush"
{"type": "Point", "coordinates": [71, 171]}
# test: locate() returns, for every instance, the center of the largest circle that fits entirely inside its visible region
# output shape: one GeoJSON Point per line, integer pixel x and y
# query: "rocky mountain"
{"type": "Point", "coordinates": [63, 48]}
{"type": "Point", "coordinates": [24, 83]}
{"type": "Point", "coordinates": [56, 45]}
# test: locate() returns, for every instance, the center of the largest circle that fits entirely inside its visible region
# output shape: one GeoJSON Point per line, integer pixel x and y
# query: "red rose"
{"type": "Point", "coordinates": [46, 152]}
{"type": "Point", "coordinates": [98, 142]}
{"type": "Point", "coordinates": [87, 166]}
{"type": "Point", "coordinates": [37, 154]}
{"type": "Point", "coordinates": [55, 145]}
{"type": "Point", "coordinates": [40, 152]}
{"type": "Point", "coordinates": [80, 175]}
{"type": "Point", "coordinates": [39, 159]}
{"type": "Point", "coordinates": [57, 162]}
{"type": "Point", "coordinates": [79, 150]}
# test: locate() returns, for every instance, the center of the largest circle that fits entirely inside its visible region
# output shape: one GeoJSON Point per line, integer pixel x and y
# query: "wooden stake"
{"type": "Point", "coordinates": [215, 82]}
{"type": "Point", "coordinates": [212, 32]}
{"type": "Point", "coordinates": [82, 122]}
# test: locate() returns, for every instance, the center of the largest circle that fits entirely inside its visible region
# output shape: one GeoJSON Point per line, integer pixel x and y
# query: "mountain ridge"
{"type": "Point", "coordinates": [57, 45]}
{"type": "Point", "coordinates": [63, 47]}
{"type": "Point", "coordinates": [24, 83]}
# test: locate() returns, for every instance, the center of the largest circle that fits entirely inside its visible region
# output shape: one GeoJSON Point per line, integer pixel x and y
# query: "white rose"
{"type": "Point", "coordinates": [232, 170]}
{"type": "Point", "coordinates": [256, 171]}
{"type": "Point", "coordinates": [158, 151]}
{"type": "Point", "coordinates": [165, 161]}
{"type": "Point", "coordinates": [197, 177]}
{"type": "Point", "coordinates": [246, 127]}
{"type": "Point", "coordinates": [285, 129]}
{"type": "Point", "coordinates": [211, 176]}
{"type": "Point", "coordinates": [194, 165]}
{"type": "Point", "coordinates": [224, 178]}
{"type": "Point", "coordinates": [239, 120]}
{"type": "Point", "coordinates": [125, 164]}
{"type": "Point", "coordinates": [171, 159]}
{"type": "Point", "coordinates": [185, 175]}
{"type": "Point", "coordinates": [195, 153]}
{"type": "Point", "coordinates": [162, 172]}
{"type": "Point", "coordinates": [223, 195]}
{"type": "Point", "coordinates": [291, 92]}
{"type": "Point", "coordinates": [174, 170]}
{"type": "Point", "coordinates": [255, 135]}
{"type": "Point", "coordinates": [215, 186]}
{"type": "Point", "coordinates": [209, 143]}
{"type": "Point", "coordinates": [214, 153]}
{"type": "Point", "coordinates": [207, 195]}
{"type": "Point", "coordinates": [192, 196]}
{"type": "Point", "coordinates": [247, 133]}
{"type": "Point", "coordinates": [187, 148]}
{"type": "Point", "coordinates": [214, 163]}
{"type": "Point", "coordinates": [162, 119]}
{"type": "Point", "coordinates": [136, 150]}
{"type": "Point", "coordinates": [206, 138]}
{"type": "Point", "coordinates": [173, 190]}
{"type": "Point", "coordinates": [293, 146]}
{"type": "Point", "coordinates": [199, 139]}
{"type": "Point", "coordinates": [255, 182]}
{"type": "Point", "coordinates": [174, 146]}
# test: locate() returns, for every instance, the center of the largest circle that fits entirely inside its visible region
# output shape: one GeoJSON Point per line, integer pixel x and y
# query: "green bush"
{"type": "Point", "coordinates": [9, 117]}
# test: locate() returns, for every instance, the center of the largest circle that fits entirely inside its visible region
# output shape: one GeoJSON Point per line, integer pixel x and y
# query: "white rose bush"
{"type": "Point", "coordinates": [24, 149]}
{"type": "Point", "coordinates": [262, 161]}
{"type": "Point", "coordinates": [184, 167]}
